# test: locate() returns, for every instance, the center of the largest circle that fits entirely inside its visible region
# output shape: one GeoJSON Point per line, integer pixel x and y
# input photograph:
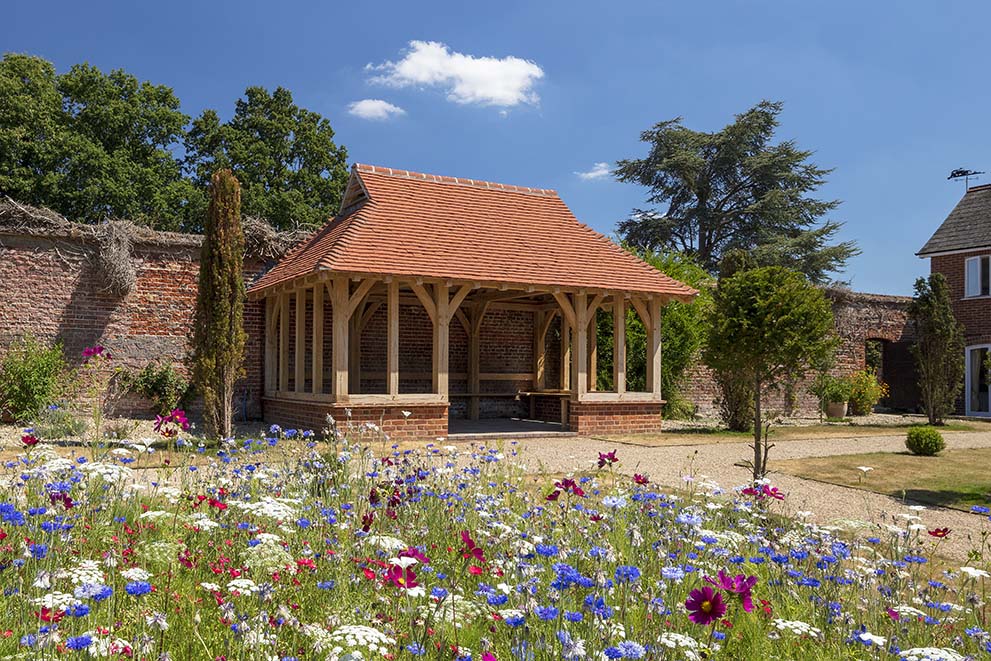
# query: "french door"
{"type": "Point", "coordinates": [977, 393]}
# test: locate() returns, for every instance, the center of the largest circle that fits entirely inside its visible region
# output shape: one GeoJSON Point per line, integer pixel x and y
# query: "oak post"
{"type": "Point", "coordinates": [579, 351]}
{"type": "Point", "coordinates": [619, 344]}
{"type": "Point", "coordinates": [283, 342]}
{"type": "Point", "coordinates": [392, 359]}
{"type": "Point", "coordinates": [318, 291]}
{"type": "Point", "coordinates": [340, 301]}
{"type": "Point", "coordinates": [654, 347]}
{"type": "Point", "coordinates": [441, 355]}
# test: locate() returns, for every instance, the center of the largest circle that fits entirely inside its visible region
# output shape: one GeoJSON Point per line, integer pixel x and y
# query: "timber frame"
{"type": "Point", "coordinates": [352, 299]}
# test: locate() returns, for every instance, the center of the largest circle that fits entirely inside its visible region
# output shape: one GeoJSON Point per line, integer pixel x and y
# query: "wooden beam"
{"type": "Point", "coordinates": [370, 309]}
{"type": "Point", "coordinates": [271, 345]}
{"type": "Point", "coordinates": [654, 348]}
{"type": "Point", "coordinates": [642, 310]}
{"type": "Point", "coordinates": [594, 307]}
{"type": "Point", "coordinates": [458, 298]}
{"type": "Point", "coordinates": [359, 295]}
{"type": "Point", "coordinates": [619, 345]}
{"type": "Point", "coordinates": [341, 303]}
{"type": "Point", "coordinates": [354, 348]}
{"type": "Point", "coordinates": [539, 353]}
{"type": "Point", "coordinates": [425, 300]}
{"type": "Point", "coordinates": [593, 351]}
{"type": "Point", "coordinates": [300, 362]}
{"type": "Point", "coordinates": [441, 352]}
{"type": "Point", "coordinates": [566, 309]}
{"type": "Point", "coordinates": [579, 350]}
{"type": "Point", "coordinates": [392, 335]}
{"type": "Point", "coordinates": [284, 342]}
{"type": "Point", "coordinates": [463, 318]}
{"type": "Point", "coordinates": [318, 319]}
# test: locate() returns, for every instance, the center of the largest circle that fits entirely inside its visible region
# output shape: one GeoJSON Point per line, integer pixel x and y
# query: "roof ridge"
{"type": "Point", "coordinates": [978, 187]}
{"type": "Point", "coordinates": [458, 181]}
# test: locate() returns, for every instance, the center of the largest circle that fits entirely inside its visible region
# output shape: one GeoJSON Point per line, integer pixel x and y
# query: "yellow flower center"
{"type": "Point", "coordinates": [707, 606]}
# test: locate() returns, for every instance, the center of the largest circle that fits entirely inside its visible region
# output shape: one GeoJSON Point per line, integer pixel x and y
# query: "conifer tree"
{"type": "Point", "coordinates": [219, 337]}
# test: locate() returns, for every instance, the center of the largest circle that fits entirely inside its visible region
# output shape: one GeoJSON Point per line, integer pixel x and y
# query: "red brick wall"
{"type": "Point", "coordinates": [614, 418]}
{"type": "Point", "coordinates": [973, 313]}
{"type": "Point", "coordinates": [858, 317]}
{"type": "Point", "coordinates": [51, 288]}
{"type": "Point", "coordinates": [425, 422]}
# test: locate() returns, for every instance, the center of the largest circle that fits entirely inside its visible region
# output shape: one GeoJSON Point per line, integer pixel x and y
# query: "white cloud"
{"type": "Point", "coordinates": [598, 171]}
{"type": "Point", "coordinates": [375, 109]}
{"type": "Point", "coordinates": [486, 81]}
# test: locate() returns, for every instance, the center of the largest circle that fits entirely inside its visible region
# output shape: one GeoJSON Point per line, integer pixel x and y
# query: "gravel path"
{"type": "Point", "coordinates": [828, 503]}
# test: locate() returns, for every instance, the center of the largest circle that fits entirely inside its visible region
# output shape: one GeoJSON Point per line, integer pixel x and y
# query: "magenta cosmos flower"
{"type": "Point", "coordinates": [705, 605]}
{"type": "Point", "coordinates": [739, 585]}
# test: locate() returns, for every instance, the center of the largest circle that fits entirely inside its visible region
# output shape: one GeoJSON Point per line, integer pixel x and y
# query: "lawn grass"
{"type": "Point", "coordinates": [956, 478]}
{"type": "Point", "coordinates": [710, 435]}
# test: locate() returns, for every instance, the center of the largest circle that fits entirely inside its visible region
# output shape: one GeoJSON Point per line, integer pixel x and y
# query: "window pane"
{"type": "Point", "coordinates": [978, 398]}
{"type": "Point", "coordinates": [986, 275]}
{"type": "Point", "coordinates": [973, 275]}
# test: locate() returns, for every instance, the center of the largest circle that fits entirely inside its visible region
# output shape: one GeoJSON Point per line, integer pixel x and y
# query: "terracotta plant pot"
{"type": "Point", "coordinates": [836, 410]}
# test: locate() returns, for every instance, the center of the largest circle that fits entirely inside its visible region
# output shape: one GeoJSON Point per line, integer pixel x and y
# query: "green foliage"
{"type": "Point", "coordinates": [93, 145]}
{"type": "Point", "coordinates": [734, 189]}
{"type": "Point", "coordinates": [291, 170]}
{"type": "Point", "coordinates": [924, 441]}
{"type": "Point", "coordinates": [766, 324]}
{"type": "Point", "coordinates": [866, 390]}
{"type": "Point", "coordinates": [832, 389]}
{"type": "Point", "coordinates": [219, 337]}
{"type": "Point", "coordinates": [938, 349]}
{"type": "Point", "coordinates": [56, 423]}
{"type": "Point", "coordinates": [160, 383]}
{"type": "Point", "coordinates": [32, 376]}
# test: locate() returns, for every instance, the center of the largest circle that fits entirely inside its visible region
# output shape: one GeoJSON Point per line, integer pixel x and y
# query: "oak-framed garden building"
{"type": "Point", "coordinates": [437, 305]}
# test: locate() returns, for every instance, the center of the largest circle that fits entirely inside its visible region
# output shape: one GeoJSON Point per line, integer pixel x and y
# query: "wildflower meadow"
{"type": "Point", "coordinates": [334, 545]}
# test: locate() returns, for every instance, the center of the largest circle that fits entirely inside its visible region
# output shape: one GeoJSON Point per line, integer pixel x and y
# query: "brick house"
{"type": "Point", "coordinates": [961, 250]}
{"type": "Point", "coordinates": [439, 305]}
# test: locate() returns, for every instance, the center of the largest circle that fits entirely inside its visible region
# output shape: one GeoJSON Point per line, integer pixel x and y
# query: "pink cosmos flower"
{"type": "Point", "coordinates": [739, 585]}
{"type": "Point", "coordinates": [401, 577]}
{"type": "Point", "coordinates": [607, 459]}
{"type": "Point", "coordinates": [705, 605]}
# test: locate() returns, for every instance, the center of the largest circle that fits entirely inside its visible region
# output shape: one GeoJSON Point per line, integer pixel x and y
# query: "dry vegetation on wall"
{"type": "Point", "coordinates": [110, 245]}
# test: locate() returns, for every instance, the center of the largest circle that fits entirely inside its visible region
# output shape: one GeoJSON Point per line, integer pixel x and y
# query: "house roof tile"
{"type": "Point", "coordinates": [423, 225]}
{"type": "Point", "coordinates": [968, 225]}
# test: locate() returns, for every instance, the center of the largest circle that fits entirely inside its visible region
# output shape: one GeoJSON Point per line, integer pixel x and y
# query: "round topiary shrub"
{"type": "Point", "coordinates": [924, 441]}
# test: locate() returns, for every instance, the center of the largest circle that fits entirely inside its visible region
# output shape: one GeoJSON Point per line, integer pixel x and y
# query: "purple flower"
{"type": "Point", "coordinates": [705, 605]}
{"type": "Point", "coordinates": [739, 585]}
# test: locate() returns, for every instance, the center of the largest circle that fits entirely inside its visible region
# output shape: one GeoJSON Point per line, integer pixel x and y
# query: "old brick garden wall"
{"type": "Point", "coordinates": [859, 318]}
{"type": "Point", "coordinates": [52, 288]}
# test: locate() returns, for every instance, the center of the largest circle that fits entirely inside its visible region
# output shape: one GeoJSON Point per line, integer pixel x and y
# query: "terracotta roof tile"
{"type": "Point", "coordinates": [425, 225]}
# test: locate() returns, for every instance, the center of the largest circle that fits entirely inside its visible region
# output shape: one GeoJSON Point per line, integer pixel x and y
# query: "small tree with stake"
{"type": "Point", "coordinates": [938, 348]}
{"type": "Point", "coordinates": [766, 324]}
{"type": "Point", "coordinates": [218, 339]}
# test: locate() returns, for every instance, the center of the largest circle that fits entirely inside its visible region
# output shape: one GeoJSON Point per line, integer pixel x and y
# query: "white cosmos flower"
{"type": "Point", "coordinates": [973, 572]}
{"type": "Point", "coordinates": [868, 638]}
{"type": "Point", "coordinates": [402, 562]}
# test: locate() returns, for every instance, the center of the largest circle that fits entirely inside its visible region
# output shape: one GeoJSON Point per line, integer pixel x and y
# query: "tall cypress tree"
{"type": "Point", "coordinates": [218, 334]}
{"type": "Point", "coordinates": [938, 347]}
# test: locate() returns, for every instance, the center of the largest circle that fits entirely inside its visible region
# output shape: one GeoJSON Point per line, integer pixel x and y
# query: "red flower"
{"type": "Point", "coordinates": [640, 479]}
{"type": "Point", "coordinates": [471, 550]}
{"type": "Point", "coordinates": [705, 605]}
{"type": "Point", "coordinates": [569, 485]}
{"type": "Point", "coordinates": [607, 459]}
{"type": "Point", "coordinates": [739, 585]}
{"type": "Point", "coordinates": [939, 532]}
{"type": "Point", "coordinates": [220, 506]}
{"type": "Point", "coordinates": [29, 440]}
{"type": "Point", "coordinates": [367, 520]}
{"type": "Point", "coordinates": [554, 495]}
{"type": "Point", "coordinates": [48, 615]}
{"type": "Point", "coordinates": [772, 492]}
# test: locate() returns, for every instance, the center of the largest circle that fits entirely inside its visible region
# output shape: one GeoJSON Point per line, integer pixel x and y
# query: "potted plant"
{"type": "Point", "coordinates": [835, 395]}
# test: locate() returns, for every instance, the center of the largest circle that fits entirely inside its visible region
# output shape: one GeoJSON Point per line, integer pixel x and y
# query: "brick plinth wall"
{"type": "Point", "coordinates": [614, 417]}
{"type": "Point", "coordinates": [425, 422]}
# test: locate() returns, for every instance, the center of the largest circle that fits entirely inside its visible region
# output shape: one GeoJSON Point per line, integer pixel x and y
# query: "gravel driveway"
{"type": "Point", "coordinates": [828, 503]}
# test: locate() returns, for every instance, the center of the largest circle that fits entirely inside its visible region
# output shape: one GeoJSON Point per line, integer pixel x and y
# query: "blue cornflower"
{"type": "Point", "coordinates": [303, 523]}
{"type": "Point", "coordinates": [573, 616]}
{"type": "Point", "coordinates": [416, 649]}
{"type": "Point", "coordinates": [79, 643]}
{"type": "Point", "coordinates": [547, 550]}
{"type": "Point", "coordinates": [631, 650]}
{"type": "Point", "coordinates": [546, 612]}
{"type": "Point", "coordinates": [138, 588]}
{"type": "Point", "coordinates": [612, 653]}
{"type": "Point", "coordinates": [326, 585]}
{"type": "Point", "coordinates": [515, 620]}
{"type": "Point", "coordinates": [627, 574]}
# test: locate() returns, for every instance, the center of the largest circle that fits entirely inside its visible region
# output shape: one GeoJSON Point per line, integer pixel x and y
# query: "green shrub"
{"type": "Point", "coordinates": [162, 385]}
{"type": "Point", "coordinates": [56, 423]}
{"type": "Point", "coordinates": [866, 391]}
{"type": "Point", "coordinates": [32, 376]}
{"type": "Point", "coordinates": [924, 441]}
{"type": "Point", "coordinates": [829, 389]}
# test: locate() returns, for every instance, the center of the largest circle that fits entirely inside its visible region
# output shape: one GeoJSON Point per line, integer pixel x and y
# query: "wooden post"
{"type": "Point", "coordinates": [539, 354]}
{"type": "Point", "coordinates": [271, 345]}
{"type": "Point", "coordinates": [654, 347]}
{"type": "Point", "coordinates": [593, 349]}
{"type": "Point", "coordinates": [392, 353]}
{"type": "Point", "coordinates": [579, 352]}
{"type": "Point", "coordinates": [340, 299]}
{"type": "Point", "coordinates": [318, 291]}
{"type": "Point", "coordinates": [284, 342]}
{"type": "Point", "coordinates": [300, 357]}
{"type": "Point", "coordinates": [441, 357]}
{"type": "Point", "coordinates": [619, 344]}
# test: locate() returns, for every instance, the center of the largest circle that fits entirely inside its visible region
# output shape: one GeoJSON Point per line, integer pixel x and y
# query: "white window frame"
{"type": "Point", "coordinates": [966, 397]}
{"type": "Point", "coordinates": [972, 276]}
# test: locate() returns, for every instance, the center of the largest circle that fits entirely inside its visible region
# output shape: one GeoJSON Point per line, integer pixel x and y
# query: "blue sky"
{"type": "Point", "coordinates": [890, 94]}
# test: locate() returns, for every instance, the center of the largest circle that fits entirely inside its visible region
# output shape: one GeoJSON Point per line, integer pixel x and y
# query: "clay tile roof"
{"type": "Point", "coordinates": [405, 223]}
{"type": "Point", "coordinates": [967, 226]}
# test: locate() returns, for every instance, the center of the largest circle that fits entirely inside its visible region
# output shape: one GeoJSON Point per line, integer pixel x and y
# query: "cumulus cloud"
{"type": "Point", "coordinates": [375, 109]}
{"type": "Point", "coordinates": [598, 171]}
{"type": "Point", "coordinates": [486, 81]}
